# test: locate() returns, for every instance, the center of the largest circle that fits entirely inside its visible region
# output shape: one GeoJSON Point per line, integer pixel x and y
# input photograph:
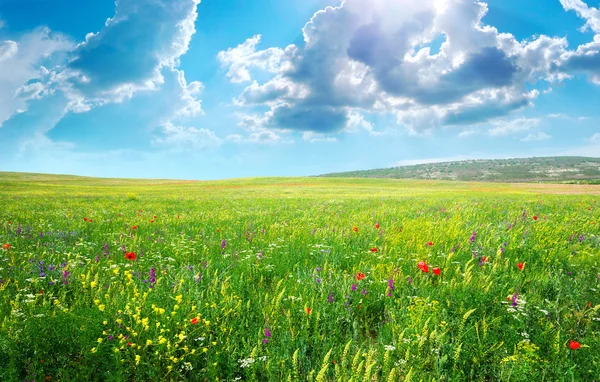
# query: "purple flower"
{"type": "Point", "coordinates": [65, 277]}
{"type": "Point", "coordinates": [223, 244]}
{"type": "Point", "coordinates": [330, 298]}
{"type": "Point", "coordinates": [353, 287]}
{"type": "Point", "coordinates": [152, 277]}
{"type": "Point", "coordinates": [473, 237]}
{"type": "Point", "coordinates": [514, 299]}
{"type": "Point", "coordinates": [364, 291]}
{"type": "Point", "coordinates": [318, 280]}
{"type": "Point", "coordinates": [410, 280]}
{"type": "Point", "coordinates": [267, 333]}
{"type": "Point", "coordinates": [581, 238]}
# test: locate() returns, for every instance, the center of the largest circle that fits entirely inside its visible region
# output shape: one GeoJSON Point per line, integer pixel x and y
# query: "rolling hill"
{"type": "Point", "coordinates": [543, 169]}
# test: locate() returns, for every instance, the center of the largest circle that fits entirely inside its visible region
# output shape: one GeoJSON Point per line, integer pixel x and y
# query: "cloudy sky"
{"type": "Point", "coordinates": [234, 88]}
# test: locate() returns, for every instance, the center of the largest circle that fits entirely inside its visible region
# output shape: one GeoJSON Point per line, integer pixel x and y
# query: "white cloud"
{"type": "Point", "coordinates": [539, 136]}
{"type": "Point", "coordinates": [506, 127]}
{"type": "Point", "coordinates": [313, 137]}
{"type": "Point", "coordinates": [353, 61]}
{"type": "Point", "coordinates": [187, 138]}
{"type": "Point", "coordinates": [595, 138]}
{"type": "Point", "coordinates": [590, 14]}
{"type": "Point", "coordinates": [21, 62]}
{"type": "Point", "coordinates": [468, 133]}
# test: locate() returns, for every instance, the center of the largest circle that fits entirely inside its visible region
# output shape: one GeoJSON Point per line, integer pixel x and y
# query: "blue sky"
{"type": "Point", "coordinates": [237, 88]}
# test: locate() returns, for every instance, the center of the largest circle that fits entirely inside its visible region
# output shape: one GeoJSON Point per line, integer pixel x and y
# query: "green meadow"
{"type": "Point", "coordinates": [297, 279]}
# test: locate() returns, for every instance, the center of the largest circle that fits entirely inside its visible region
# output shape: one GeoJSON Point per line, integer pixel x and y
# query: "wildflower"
{"type": "Point", "coordinates": [574, 345]}
{"type": "Point", "coordinates": [430, 243]}
{"type": "Point", "coordinates": [137, 359]}
{"type": "Point", "coordinates": [436, 271]}
{"type": "Point", "coordinates": [360, 276]}
{"type": "Point", "coordinates": [473, 237]}
{"type": "Point", "coordinates": [194, 320]}
{"type": "Point", "coordinates": [353, 287]}
{"type": "Point", "coordinates": [483, 260]}
{"type": "Point", "coordinates": [521, 266]}
{"type": "Point", "coordinates": [223, 244]}
{"type": "Point", "coordinates": [308, 310]}
{"type": "Point", "coordinates": [423, 266]}
{"type": "Point", "coordinates": [134, 227]}
{"type": "Point", "coordinates": [374, 249]}
{"type": "Point", "coordinates": [85, 219]}
{"type": "Point", "coordinates": [355, 229]}
{"type": "Point", "coordinates": [6, 246]}
{"type": "Point", "coordinates": [535, 217]}
{"type": "Point", "coordinates": [130, 256]}
{"type": "Point", "coordinates": [377, 225]}
{"type": "Point", "coordinates": [330, 298]}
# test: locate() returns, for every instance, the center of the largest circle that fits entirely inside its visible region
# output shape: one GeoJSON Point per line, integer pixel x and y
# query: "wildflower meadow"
{"type": "Point", "coordinates": [297, 279]}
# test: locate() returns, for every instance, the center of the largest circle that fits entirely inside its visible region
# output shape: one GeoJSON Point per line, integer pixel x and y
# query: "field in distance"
{"type": "Point", "coordinates": [321, 279]}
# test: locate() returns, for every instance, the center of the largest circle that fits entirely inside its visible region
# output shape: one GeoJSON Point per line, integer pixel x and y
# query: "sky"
{"type": "Point", "coordinates": [214, 89]}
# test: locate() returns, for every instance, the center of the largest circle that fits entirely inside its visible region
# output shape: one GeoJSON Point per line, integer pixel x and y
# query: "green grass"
{"type": "Point", "coordinates": [73, 308]}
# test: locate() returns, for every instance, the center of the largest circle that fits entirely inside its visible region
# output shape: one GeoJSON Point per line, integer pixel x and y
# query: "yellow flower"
{"type": "Point", "coordinates": [101, 307]}
{"type": "Point", "coordinates": [137, 359]}
{"type": "Point", "coordinates": [148, 342]}
{"type": "Point", "coordinates": [179, 298]}
{"type": "Point", "coordinates": [116, 350]}
{"type": "Point", "coordinates": [104, 322]}
{"type": "Point", "coordinates": [204, 350]}
{"type": "Point", "coordinates": [93, 350]}
{"type": "Point", "coordinates": [99, 340]}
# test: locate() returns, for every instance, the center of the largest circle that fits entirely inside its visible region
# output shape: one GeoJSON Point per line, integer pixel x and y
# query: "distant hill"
{"type": "Point", "coordinates": [545, 169]}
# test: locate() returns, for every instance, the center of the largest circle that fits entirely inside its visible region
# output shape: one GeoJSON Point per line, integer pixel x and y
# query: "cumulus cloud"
{"type": "Point", "coordinates": [595, 138]}
{"type": "Point", "coordinates": [21, 67]}
{"type": "Point", "coordinates": [375, 56]}
{"type": "Point", "coordinates": [590, 14]}
{"type": "Point", "coordinates": [129, 53]}
{"type": "Point", "coordinates": [506, 127]}
{"type": "Point", "coordinates": [187, 137]}
{"type": "Point", "coordinates": [539, 136]}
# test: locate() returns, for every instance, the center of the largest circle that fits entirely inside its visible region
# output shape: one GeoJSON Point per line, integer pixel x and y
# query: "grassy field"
{"type": "Point", "coordinates": [297, 279]}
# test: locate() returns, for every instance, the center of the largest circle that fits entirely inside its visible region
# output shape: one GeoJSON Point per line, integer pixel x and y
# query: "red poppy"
{"type": "Point", "coordinates": [130, 256]}
{"type": "Point", "coordinates": [574, 345]}
{"type": "Point", "coordinates": [360, 276]}
{"type": "Point", "coordinates": [154, 216]}
{"type": "Point", "coordinates": [152, 221]}
{"type": "Point", "coordinates": [423, 266]}
{"type": "Point", "coordinates": [521, 266]}
{"type": "Point", "coordinates": [134, 227]}
{"type": "Point", "coordinates": [89, 221]}
{"type": "Point", "coordinates": [308, 310]}
{"type": "Point", "coordinates": [484, 259]}
{"type": "Point", "coordinates": [377, 225]}
{"type": "Point", "coordinates": [6, 246]}
{"type": "Point", "coordinates": [129, 343]}
{"type": "Point", "coordinates": [436, 271]}
{"type": "Point", "coordinates": [355, 229]}
{"type": "Point", "coordinates": [429, 244]}
{"type": "Point", "coordinates": [535, 217]}
{"type": "Point", "coordinates": [374, 249]}
{"type": "Point", "coordinates": [194, 320]}
{"type": "Point", "coordinates": [84, 219]}
{"type": "Point", "coordinates": [178, 217]}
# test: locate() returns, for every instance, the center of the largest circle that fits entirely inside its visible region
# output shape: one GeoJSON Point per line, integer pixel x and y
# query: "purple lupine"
{"type": "Point", "coordinates": [223, 244]}
{"type": "Point", "coordinates": [473, 237]}
{"type": "Point", "coordinates": [152, 277]}
{"type": "Point", "coordinates": [514, 299]}
{"type": "Point", "coordinates": [390, 285]}
{"type": "Point", "coordinates": [65, 277]}
{"type": "Point", "coordinates": [330, 298]}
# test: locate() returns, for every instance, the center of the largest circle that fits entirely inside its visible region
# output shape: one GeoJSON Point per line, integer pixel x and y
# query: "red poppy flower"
{"type": "Point", "coordinates": [374, 249]}
{"type": "Point", "coordinates": [194, 320]}
{"type": "Point", "coordinates": [308, 310]}
{"type": "Point", "coordinates": [152, 221]}
{"type": "Point", "coordinates": [535, 218]}
{"type": "Point", "coordinates": [484, 259]}
{"type": "Point", "coordinates": [436, 271]}
{"type": "Point", "coordinates": [89, 221]}
{"type": "Point", "coordinates": [574, 345]}
{"type": "Point", "coordinates": [130, 256]}
{"type": "Point", "coordinates": [6, 246]}
{"type": "Point", "coordinates": [178, 217]}
{"type": "Point", "coordinates": [360, 276]}
{"type": "Point", "coordinates": [154, 216]}
{"type": "Point", "coordinates": [85, 219]}
{"type": "Point", "coordinates": [521, 266]}
{"type": "Point", "coordinates": [134, 227]}
{"type": "Point", "coordinates": [355, 229]}
{"type": "Point", "coordinates": [129, 343]}
{"type": "Point", "coordinates": [429, 244]}
{"type": "Point", "coordinates": [377, 225]}
{"type": "Point", "coordinates": [423, 266]}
